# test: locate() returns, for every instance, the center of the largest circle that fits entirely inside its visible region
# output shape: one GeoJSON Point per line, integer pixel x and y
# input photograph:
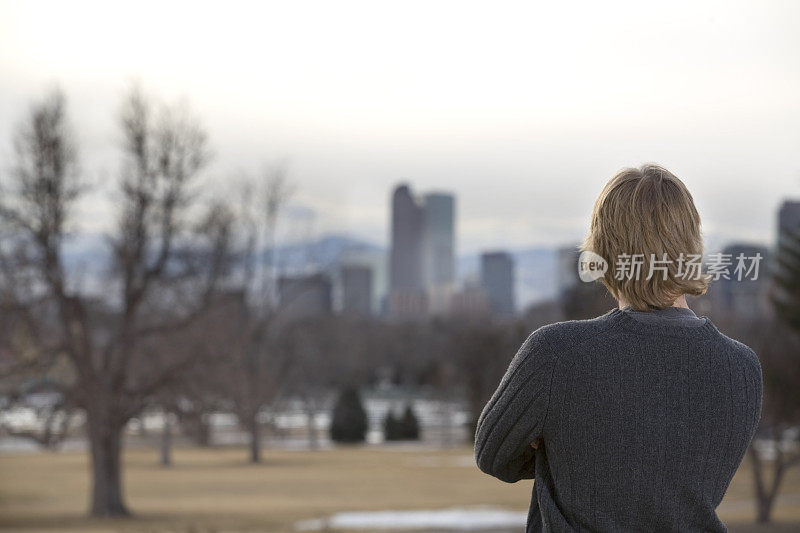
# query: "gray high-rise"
{"type": "Point", "coordinates": [788, 218]}
{"type": "Point", "coordinates": [438, 239]}
{"type": "Point", "coordinates": [788, 221]}
{"type": "Point", "coordinates": [356, 289]}
{"type": "Point", "coordinates": [497, 279]}
{"type": "Point", "coordinates": [422, 260]}
{"type": "Point", "coordinates": [406, 254]}
{"type": "Point", "coordinates": [305, 295]}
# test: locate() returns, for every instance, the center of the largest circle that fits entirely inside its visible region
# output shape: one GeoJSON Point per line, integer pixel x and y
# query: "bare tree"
{"type": "Point", "coordinates": [253, 375]}
{"type": "Point", "coordinates": [480, 352]}
{"type": "Point", "coordinates": [774, 449]}
{"type": "Point", "coordinates": [199, 391]}
{"type": "Point", "coordinates": [164, 270]}
{"type": "Point", "coordinates": [196, 392]}
{"type": "Point", "coordinates": [777, 343]}
{"type": "Point", "coordinates": [779, 353]}
{"type": "Point", "coordinates": [323, 352]}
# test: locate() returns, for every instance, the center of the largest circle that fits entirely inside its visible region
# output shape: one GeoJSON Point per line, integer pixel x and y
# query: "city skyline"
{"type": "Point", "coordinates": [539, 270]}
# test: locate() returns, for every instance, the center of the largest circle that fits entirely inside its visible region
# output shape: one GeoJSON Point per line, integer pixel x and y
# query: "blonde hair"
{"type": "Point", "coordinates": [647, 211]}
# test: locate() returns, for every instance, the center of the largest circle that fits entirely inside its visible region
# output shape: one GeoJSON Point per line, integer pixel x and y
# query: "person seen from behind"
{"type": "Point", "coordinates": [635, 420]}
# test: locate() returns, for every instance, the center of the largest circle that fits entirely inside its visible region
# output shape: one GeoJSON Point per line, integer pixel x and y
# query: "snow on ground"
{"type": "Point", "coordinates": [457, 518]}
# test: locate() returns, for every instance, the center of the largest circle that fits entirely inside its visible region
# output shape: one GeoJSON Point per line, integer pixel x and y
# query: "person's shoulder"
{"type": "Point", "coordinates": [572, 332]}
{"type": "Point", "coordinates": [741, 351]}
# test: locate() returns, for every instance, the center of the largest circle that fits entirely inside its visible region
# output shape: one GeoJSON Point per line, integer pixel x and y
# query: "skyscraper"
{"type": "Point", "coordinates": [438, 239]}
{"type": "Point", "coordinates": [377, 262]}
{"type": "Point", "coordinates": [566, 269]}
{"type": "Point", "coordinates": [357, 289]}
{"type": "Point", "coordinates": [788, 218]}
{"type": "Point", "coordinates": [305, 295]}
{"type": "Point", "coordinates": [497, 279]}
{"type": "Point", "coordinates": [788, 221]}
{"type": "Point", "coordinates": [422, 262]}
{"type": "Point", "coordinates": [406, 254]}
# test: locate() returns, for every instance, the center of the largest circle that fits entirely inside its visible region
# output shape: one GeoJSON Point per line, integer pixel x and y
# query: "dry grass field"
{"type": "Point", "coordinates": [216, 490]}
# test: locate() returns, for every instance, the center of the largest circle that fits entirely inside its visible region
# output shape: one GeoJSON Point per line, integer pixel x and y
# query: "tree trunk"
{"type": "Point", "coordinates": [105, 438]}
{"type": "Point", "coordinates": [313, 434]}
{"type": "Point", "coordinates": [766, 495]}
{"type": "Point", "coordinates": [197, 424]}
{"type": "Point", "coordinates": [166, 441]}
{"type": "Point", "coordinates": [764, 509]}
{"type": "Point", "coordinates": [255, 439]}
{"type": "Point", "coordinates": [203, 431]}
{"type": "Point", "coordinates": [448, 414]}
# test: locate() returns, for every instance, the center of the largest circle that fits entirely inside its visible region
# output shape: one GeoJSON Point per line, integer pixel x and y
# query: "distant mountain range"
{"type": "Point", "coordinates": [87, 256]}
{"type": "Point", "coordinates": [324, 253]}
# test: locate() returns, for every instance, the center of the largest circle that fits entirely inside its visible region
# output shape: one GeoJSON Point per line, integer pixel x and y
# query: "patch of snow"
{"type": "Point", "coordinates": [463, 519]}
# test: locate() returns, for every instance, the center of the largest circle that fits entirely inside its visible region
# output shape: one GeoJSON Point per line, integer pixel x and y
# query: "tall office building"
{"type": "Point", "coordinates": [356, 289]}
{"type": "Point", "coordinates": [788, 218]}
{"type": "Point", "coordinates": [438, 239]}
{"type": "Point", "coordinates": [377, 262]}
{"type": "Point", "coordinates": [497, 279]}
{"type": "Point", "coordinates": [406, 253]}
{"type": "Point", "coordinates": [422, 257]}
{"type": "Point", "coordinates": [305, 295]}
{"type": "Point", "coordinates": [406, 298]}
{"type": "Point", "coordinates": [788, 221]}
{"type": "Point", "coordinates": [567, 269]}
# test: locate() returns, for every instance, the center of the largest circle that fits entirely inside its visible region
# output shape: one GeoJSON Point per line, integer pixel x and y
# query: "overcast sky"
{"type": "Point", "coordinates": [523, 110]}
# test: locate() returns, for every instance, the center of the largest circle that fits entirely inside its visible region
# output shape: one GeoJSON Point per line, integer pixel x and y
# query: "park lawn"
{"type": "Point", "coordinates": [217, 490]}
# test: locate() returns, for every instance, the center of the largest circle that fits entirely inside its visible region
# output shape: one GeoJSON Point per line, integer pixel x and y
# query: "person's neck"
{"type": "Point", "coordinates": [679, 302]}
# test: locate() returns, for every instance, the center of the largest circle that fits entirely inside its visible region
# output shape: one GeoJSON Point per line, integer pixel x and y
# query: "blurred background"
{"type": "Point", "coordinates": [262, 264]}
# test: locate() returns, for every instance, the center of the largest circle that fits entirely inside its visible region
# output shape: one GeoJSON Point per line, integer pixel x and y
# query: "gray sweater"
{"type": "Point", "coordinates": [644, 417]}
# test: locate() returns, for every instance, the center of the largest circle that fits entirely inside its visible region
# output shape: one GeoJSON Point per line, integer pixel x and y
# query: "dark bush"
{"type": "Point", "coordinates": [392, 429]}
{"type": "Point", "coordinates": [349, 423]}
{"type": "Point", "coordinates": [402, 428]}
{"type": "Point", "coordinates": [410, 424]}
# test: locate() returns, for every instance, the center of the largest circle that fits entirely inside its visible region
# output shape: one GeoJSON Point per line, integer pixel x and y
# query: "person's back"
{"type": "Point", "coordinates": [639, 420]}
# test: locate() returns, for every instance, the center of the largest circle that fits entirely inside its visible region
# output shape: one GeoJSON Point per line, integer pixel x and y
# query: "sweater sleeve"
{"type": "Point", "coordinates": [515, 414]}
